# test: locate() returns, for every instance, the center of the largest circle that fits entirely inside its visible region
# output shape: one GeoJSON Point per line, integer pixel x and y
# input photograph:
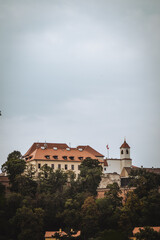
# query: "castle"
{"type": "Point", "coordinates": [61, 156]}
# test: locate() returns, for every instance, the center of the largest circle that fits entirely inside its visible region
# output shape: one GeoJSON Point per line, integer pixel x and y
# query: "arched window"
{"type": "Point", "coordinates": [127, 151]}
{"type": "Point", "coordinates": [121, 151]}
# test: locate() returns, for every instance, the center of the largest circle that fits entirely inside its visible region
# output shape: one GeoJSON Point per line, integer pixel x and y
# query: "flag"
{"type": "Point", "coordinates": [107, 147]}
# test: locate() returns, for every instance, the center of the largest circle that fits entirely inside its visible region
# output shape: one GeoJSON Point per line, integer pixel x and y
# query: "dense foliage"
{"type": "Point", "coordinates": [59, 200]}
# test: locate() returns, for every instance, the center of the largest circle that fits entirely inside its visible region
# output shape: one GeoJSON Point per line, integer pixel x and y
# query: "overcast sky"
{"type": "Point", "coordinates": [81, 72]}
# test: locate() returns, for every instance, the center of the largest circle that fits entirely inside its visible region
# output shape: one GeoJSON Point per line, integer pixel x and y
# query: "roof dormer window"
{"type": "Point", "coordinates": [47, 157]}
{"type": "Point", "coordinates": [55, 157]}
{"type": "Point", "coordinates": [80, 158]}
{"type": "Point", "coordinates": [65, 157]}
{"type": "Point", "coordinates": [80, 149]}
{"type": "Point", "coordinates": [71, 157]}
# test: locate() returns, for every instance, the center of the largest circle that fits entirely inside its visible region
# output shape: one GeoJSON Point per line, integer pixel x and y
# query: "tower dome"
{"type": "Point", "coordinates": [125, 150]}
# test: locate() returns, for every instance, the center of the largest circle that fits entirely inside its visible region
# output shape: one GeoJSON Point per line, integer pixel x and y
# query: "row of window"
{"type": "Point", "coordinates": [64, 157]}
{"type": "Point", "coordinates": [126, 151]}
{"type": "Point", "coordinates": [60, 167]}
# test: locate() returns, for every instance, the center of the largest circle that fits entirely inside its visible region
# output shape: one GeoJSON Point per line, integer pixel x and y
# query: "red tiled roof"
{"type": "Point", "coordinates": [61, 233]}
{"type": "Point", "coordinates": [137, 229]}
{"type": "Point", "coordinates": [152, 170]}
{"type": "Point", "coordinates": [118, 159]}
{"type": "Point", "coordinates": [125, 145]}
{"type": "Point", "coordinates": [105, 163]}
{"type": "Point", "coordinates": [61, 150]}
{"type": "Point", "coordinates": [49, 145]}
{"type": "Point", "coordinates": [90, 150]}
{"type": "Point", "coordinates": [52, 233]}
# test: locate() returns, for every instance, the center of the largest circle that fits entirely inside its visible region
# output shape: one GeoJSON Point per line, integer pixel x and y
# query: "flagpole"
{"type": "Point", "coordinates": [107, 151]}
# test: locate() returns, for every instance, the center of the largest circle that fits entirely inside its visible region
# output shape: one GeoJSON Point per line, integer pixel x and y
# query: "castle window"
{"type": "Point", "coordinates": [127, 151]}
{"type": "Point", "coordinates": [39, 165]}
{"type": "Point", "coordinates": [105, 169]}
{"type": "Point", "coordinates": [66, 166]}
{"type": "Point", "coordinates": [78, 167]}
{"type": "Point", "coordinates": [52, 166]}
{"type": "Point", "coordinates": [55, 157]}
{"type": "Point", "coordinates": [72, 167]}
{"type": "Point", "coordinates": [59, 166]}
{"type": "Point", "coordinates": [121, 151]}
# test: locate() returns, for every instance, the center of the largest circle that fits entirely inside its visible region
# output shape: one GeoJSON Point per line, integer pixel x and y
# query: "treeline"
{"type": "Point", "coordinates": [58, 200]}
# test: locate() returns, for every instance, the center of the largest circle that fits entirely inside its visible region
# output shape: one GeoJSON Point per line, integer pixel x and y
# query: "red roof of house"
{"type": "Point", "coordinates": [105, 163]}
{"type": "Point", "coordinates": [137, 229]}
{"type": "Point", "coordinates": [50, 234]}
{"type": "Point", "coordinates": [48, 151]}
{"type": "Point", "coordinates": [125, 145]}
{"type": "Point", "coordinates": [49, 145]}
{"type": "Point", "coordinates": [134, 168]}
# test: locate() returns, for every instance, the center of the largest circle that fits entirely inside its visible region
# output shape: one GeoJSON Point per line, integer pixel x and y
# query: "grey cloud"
{"type": "Point", "coordinates": [81, 71]}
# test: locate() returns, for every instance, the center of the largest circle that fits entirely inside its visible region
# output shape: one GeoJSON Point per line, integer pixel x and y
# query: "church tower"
{"type": "Point", "coordinates": [125, 150]}
{"type": "Point", "coordinates": [125, 159]}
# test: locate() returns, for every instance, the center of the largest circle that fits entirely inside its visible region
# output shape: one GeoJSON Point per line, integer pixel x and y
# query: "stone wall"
{"type": "Point", "coordinates": [109, 178]}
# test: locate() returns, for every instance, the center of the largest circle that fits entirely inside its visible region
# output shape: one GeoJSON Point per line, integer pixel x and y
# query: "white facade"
{"type": "Point", "coordinates": [124, 153]}
{"type": "Point", "coordinates": [116, 165]}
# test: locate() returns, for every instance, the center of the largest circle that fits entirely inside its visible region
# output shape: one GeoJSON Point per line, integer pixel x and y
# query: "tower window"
{"type": "Point", "coordinates": [127, 151]}
{"type": "Point", "coordinates": [39, 165]}
{"type": "Point", "coordinates": [121, 151]}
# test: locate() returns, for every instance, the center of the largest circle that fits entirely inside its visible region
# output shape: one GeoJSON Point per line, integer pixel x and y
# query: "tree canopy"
{"type": "Point", "coordinates": [58, 199]}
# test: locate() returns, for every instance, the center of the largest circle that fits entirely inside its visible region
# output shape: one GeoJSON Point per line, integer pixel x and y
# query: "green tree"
{"type": "Point", "coordinates": [14, 166]}
{"type": "Point", "coordinates": [144, 181]}
{"type": "Point", "coordinates": [111, 235]}
{"type": "Point", "coordinates": [49, 181]}
{"type": "Point", "coordinates": [150, 209]}
{"type": "Point", "coordinates": [90, 175]}
{"type": "Point", "coordinates": [147, 234]}
{"type": "Point", "coordinates": [25, 185]}
{"type": "Point", "coordinates": [3, 217]}
{"type": "Point", "coordinates": [71, 214]}
{"type": "Point", "coordinates": [90, 216]}
{"type": "Point", "coordinates": [28, 224]}
{"type": "Point", "coordinates": [130, 212]}
{"type": "Point", "coordinates": [109, 208]}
